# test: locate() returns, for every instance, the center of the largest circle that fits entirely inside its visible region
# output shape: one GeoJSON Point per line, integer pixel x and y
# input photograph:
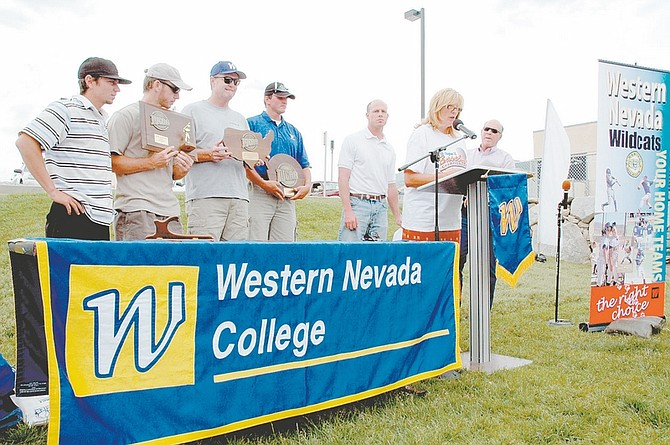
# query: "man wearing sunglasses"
{"type": "Point", "coordinates": [486, 155]}
{"type": "Point", "coordinates": [144, 178]}
{"type": "Point", "coordinates": [72, 162]}
{"type": "Point", "coordinates": [272, 216]}
{"type": "Point", "coordinates": [217, 192]}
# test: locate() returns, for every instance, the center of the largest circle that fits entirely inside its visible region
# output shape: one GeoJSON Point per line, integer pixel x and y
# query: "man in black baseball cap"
{"type": "Point", "coordinates": [72, 163]}
{"type": "Point", "coordinates": [271, 216]}
{"type": "Point", "coordinates": [102, 74]}
{"type": "Point", "coordinates": [99, 67]}
{"type": "Point", "coordinates": [278, 89]}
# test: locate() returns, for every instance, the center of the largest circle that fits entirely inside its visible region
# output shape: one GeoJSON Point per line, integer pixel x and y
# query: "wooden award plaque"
{"type": "Point", "coordinates": [161, 128]}
{"type": "Point", "coordinates": [287, 171]}
{"type": "Point", "coordinates": [247, 146]}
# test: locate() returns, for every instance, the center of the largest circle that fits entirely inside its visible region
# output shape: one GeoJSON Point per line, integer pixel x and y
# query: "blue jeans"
{"type": "Point", "coordinates": [372, 219]}
{"type": "Point", "coordinates": [464, 257]}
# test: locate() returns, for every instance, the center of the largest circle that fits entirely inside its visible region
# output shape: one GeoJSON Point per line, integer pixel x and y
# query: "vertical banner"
{"type": "Point", "coordinates": [629, 239]}
{"type": "Point", "coordinates": [163, 342]}
{"type": "Point", "coordinates": [510, 225]}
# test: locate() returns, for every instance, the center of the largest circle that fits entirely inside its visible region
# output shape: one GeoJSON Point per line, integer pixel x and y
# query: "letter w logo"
{"type": "Point", "coordinates": [112, 329]}
{"type": "Point", "coordinates": [510, 215]}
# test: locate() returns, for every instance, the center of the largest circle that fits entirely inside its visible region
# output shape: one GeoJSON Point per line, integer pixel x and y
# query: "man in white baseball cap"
{"type": "Point", "coordinates": [145, 178]}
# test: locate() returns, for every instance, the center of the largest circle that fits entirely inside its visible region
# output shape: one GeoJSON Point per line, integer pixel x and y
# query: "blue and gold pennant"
{"type": "Point", "coordinates": [510, 225]}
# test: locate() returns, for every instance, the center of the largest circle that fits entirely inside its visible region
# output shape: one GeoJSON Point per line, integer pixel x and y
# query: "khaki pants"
{"type": "Point", "coordinates": [129, 226]}
{"type": "Point", "coordinates": [271, 219]}
{"type": "Point", "coordinates": [225, 219]}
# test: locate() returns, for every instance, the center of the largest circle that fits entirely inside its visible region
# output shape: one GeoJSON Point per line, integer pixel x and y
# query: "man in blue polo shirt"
{"type": "Point", "coordinates": [272, 215]}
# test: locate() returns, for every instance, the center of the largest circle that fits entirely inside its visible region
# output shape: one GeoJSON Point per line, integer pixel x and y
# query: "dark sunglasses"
{"type": "Point", "coordinates": [492, 130]}
{"type": "Point", "coordinates": [174, 89]}
{"type": "Point", "coordinates": [228, 80]}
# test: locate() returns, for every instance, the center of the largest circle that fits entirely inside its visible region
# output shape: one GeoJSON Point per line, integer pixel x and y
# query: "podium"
{"type": "Point", "coordinates": [471, 182]}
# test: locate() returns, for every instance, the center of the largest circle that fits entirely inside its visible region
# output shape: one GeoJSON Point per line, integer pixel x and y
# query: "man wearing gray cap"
{"type": "Point", "coordinates": [76, 170]}
{"type": "Point", "coordinates": [217, 191]}
{"type": "Point", "coordinates": [144, 178]}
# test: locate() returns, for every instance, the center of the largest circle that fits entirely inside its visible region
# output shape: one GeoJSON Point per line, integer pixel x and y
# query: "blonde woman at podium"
{"type": "Point", "coordinates": [435, 131]}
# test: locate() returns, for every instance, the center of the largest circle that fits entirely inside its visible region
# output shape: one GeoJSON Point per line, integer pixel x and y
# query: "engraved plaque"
{"type": "Point", "coordinates": [161, 128]}
{"type": "Point", "coordinates": [286, 171]}
{"type": "Point", "coordinates": [247, 146]}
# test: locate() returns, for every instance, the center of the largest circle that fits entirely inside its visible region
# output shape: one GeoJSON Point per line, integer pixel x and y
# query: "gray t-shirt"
{"type": "Point", "coordinates": [149, 190]}
{"type": "Point", "coordinates": [224, 179]}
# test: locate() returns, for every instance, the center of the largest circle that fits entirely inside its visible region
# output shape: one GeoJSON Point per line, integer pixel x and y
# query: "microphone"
{"type": "Point", "coordinates": [458, 125]}
{"type": "Point", "coordinates": [566, 187]}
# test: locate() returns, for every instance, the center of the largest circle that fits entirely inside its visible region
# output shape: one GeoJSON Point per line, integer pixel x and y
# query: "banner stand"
{"type": "Point", "coordinates": [629, 229]}
{"type": "Point", "coordinates": [586, 327]}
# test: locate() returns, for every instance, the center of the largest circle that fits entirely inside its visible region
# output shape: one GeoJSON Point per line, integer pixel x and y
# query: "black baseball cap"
{"type": "Point", "coordinates": [279, 89]}
{"type": "Point", "coordinates": [97, 66]}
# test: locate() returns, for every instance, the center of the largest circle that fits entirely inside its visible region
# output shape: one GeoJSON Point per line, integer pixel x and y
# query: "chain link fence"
{"type": "Point", "coordinates": [581, 173]}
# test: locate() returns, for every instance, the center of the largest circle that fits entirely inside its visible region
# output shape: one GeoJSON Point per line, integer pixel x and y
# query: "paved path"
{"type": "Point", "coordinates": [11, 189]}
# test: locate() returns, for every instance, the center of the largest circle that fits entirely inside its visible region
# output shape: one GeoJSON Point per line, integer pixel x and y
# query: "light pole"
{"type": "Point", "coordinates": [325, 161]}
{"type": "Point", "coordinates": [332, 151]}
{"type": "Point", "coordinates": [413, 15]}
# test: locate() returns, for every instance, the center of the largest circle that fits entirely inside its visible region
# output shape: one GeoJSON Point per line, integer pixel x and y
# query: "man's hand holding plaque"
{"type": "Point", "coordinates": [288, 173]}
{"type": "Point", "coordinates": [162, 128]}
{"type": "Point", "coordinates": [214, 154]}
{"type": "Point", "coordinates": [247, 146]}
{"type": "Point", "coordinates": [161, 159]}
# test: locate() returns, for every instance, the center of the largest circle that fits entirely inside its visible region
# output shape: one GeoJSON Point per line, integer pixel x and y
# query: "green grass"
{"type": "Point", "coordinates": [318, 218]}
{"type": "Point", "coordinates": [582, 388]}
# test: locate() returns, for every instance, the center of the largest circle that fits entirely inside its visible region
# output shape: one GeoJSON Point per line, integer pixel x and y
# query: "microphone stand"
{"type": "Point", "coordinates": [435, 159]}
{"type": "Point", "coordinates": [556, 321]}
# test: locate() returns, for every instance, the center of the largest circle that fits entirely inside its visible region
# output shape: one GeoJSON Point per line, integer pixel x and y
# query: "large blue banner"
{"type": "Point", "coordinates": [168, 342]}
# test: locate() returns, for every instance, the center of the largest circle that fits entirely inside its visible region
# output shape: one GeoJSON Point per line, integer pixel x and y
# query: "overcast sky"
{"type": "Point", "coordinates": [506, 58]}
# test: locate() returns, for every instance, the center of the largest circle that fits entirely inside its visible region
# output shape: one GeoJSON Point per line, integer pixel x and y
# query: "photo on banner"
{"type": "Point", "coordinates": [629, 239]}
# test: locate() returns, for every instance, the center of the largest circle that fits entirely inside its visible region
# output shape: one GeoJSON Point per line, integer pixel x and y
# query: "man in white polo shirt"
{"type": "Point", "coordinates": [76, 170]}
{"type": "Point", "coordinates": [366, 179]}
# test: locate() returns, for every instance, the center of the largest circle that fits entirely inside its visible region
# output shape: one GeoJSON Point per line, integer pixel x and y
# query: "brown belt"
{"type": "Point", "coordinates": [366, 196]}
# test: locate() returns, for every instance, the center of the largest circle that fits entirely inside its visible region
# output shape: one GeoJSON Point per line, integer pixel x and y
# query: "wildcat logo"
{"type": "Point", "coordinates": [131, 327]}
{"type": "Point", "coordinates": [510, 215]}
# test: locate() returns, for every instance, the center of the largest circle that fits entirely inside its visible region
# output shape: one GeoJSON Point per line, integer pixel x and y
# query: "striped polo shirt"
{"type": "Point", "coordinates": [73, 135]}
